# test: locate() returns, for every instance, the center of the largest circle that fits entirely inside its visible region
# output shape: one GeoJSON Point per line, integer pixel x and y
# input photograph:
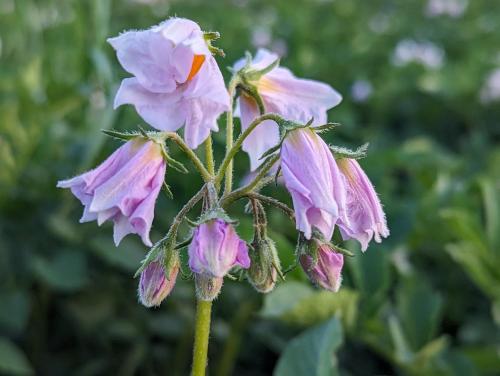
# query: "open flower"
{"type": "Point", "coordinates": [176, 80]}
{"type": "Point", "coordinates": [326, 271]}
{"type": "Point", "coordinates": [364, 211]}
{"type": "Point", "coordinates": [216, 248]}
{"type": "Point", "coordinates": [122, 189]}
{"type": "Point", "coordinates": [154, 286]}
{"type": "Point", "coordinates": [282, 93]}
{"type": "Point", "coordinates": [314, 181]}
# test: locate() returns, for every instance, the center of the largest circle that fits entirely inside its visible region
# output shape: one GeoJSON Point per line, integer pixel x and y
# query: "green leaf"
{"type": "Point", "coordinates": [312, 352]}
{"type": "Point", "coordinates": [126, 257]}
{"type": "Point", "coordinates": [12, 359]}
{"type": "Point", "coordinates": [492, 212]}
{"type": "Point", "coordinates": [419, 308]}
{"type": "Point", "coordinates": [15, 310]}
{"type": "Point", "coordinates": [299, 304]}
{"type": "Point", "coordinates": [67, 271]}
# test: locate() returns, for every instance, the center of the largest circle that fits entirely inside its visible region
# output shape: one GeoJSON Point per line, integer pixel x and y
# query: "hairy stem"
{"type": "Point", "coordinates": [201, 334]}
{"type": "Point", "coordinates": [226, 165]}
{"type": "Point", "coordinates": [209, 156]}
{"type": "Point", "coordinates": [190, 153]}
{"type": "Point", "coordinates": [243, 191]}
{"type": "Point", "coordinates": [272, 201]}
{"type": "Point", "coordinates": [229, 131]}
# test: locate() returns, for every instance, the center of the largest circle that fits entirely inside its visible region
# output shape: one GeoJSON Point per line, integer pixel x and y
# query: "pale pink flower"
{"type": "Point", "coordinates": [154, 286]}
{"type": "Point", "coordinates": [282, 93]}
{"type": "Point", "coordinates": [364, 211]}
{"type": "Point", "coordinates": [216, 248]}
{"type": "Point", "coordinates": [176, 80]}
{"type": "Point", "coordinates": [312, 177]}
{"type": "Point", "coordinates": [122, 189]}
{"type": "Point", "coordinates": [326, 271]}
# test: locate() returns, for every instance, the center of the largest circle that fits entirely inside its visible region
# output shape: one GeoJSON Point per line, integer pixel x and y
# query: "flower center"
{"type": "Point", "coordinates": [198, 61]}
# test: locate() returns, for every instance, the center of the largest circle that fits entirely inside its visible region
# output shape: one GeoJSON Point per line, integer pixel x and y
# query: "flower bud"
{"type": "Point", "coordinates": [264, 265]}
{"type": "Point", "coordinates": [216, 248]}
{"type": "Point", "coordinates": [207, 287]}
{"type": "Point", "coordinates": [325, 269]}
{"type": "Point", "coordinates": [157, 281]}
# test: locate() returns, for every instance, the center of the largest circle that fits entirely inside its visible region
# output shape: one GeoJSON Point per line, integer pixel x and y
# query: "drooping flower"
{"type": "Point", "coordinates": [154, 286]}
{"type": "Point", "coordinates": [326, 271]}
{"type": "Point", "coordinates": [314, 181]}
{"type": "Point", "coordinates": [282, 93]}
{"type": "Point", "coordinates": [122, 189]}
{"type": "Point", "coordinates": [216, 248]}
{"type": "Point", "coordinates": [364, 211]}
{"type": "Point", "coordinates": [176, 80]}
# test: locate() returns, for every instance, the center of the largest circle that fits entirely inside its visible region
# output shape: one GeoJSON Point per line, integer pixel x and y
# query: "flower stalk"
{"type": "Point", "coordinates": [201, 335]}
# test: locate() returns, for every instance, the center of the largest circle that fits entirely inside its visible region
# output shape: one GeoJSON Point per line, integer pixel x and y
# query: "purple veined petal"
{"type": "Point", "coordinates": [205, 98]}
{"type": "Point", "coordinates": [124, 189]}
{"type": "Point", "coordinates": [162, 111]}
{"type": "Point", "coordinates": [215, 249]}
{"type": "Point", "coordinates": [308, 160]}
{"type": "Point", "coordinates": [307, 96]}
{"type": "Point", "coordinates": [326, 272]}
{"type": "Point", "coordinates": [262, 138]}
{"type": "Point", "coordinates": [208, 83]}
{"type": "Point", "coordinates": [177, 29]}
{"type": "Point", "coordinates": [201, 120]}
{"type": "Point", "coordinates": [364, 210]}
{"type": "Point", "coordinates": [242, 257]}
{"type": "Point", "coordinates": [310, 175]}
{"type": "Point", "coordinates": [146, 55]}
{"type": "Point", "coordinates": [131, 183]}
{"type": "Point", "coordinates": [154, 286]}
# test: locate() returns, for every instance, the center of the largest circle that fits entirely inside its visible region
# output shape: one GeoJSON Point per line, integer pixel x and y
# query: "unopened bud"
{"type": "Point", "coordinates": [207, 287]}
{"type": "Point", "coordinates": [325, 269]}
{"type": "Point", "coordinates": [264, 266]}
{"type": "Point", "coordinates": [157, 282]}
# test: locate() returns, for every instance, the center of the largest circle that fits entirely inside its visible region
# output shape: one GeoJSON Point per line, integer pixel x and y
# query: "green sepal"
{"type": "Point", "coordinates": [125, 136]}
{"type": "Point", "coordinates": [341, 250]}
{"type": "Point", "coordinates": [214, 213]}
{"type": "Point", "coordinates": [256, 74]}
{"type": "Point", "coordinates": [270, 152]}
{"type": "Point", "coordinates": [168, 191]}
{"type": "Point", "coordinates": [164, 245]}
{"type": "Point", "coordinates": [175, 164]}
{"type": "Point", "coordinates": [326, 127]}
{"type": "Point", "coordinates": [342, 152]}
{"type": "Point", "coordinates": [171, 260]}
{"type": "Point", "coordinates": [210, 36]}
{"type": "Point", "coordinates": [251, 90]}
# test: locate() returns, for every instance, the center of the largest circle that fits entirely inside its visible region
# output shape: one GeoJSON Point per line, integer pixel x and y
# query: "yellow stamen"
{"type": "Point", "coordinates": [198, 61]}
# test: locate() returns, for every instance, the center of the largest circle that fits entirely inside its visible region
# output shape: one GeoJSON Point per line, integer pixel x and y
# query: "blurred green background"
{"type": "Point", "coordinates": [421, 83]}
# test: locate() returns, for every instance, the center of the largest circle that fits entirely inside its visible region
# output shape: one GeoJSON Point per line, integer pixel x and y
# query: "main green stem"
{"type": "Point", "coordinates": [228, 184]}
{"type": "Point", "coordinates": [201, 334]}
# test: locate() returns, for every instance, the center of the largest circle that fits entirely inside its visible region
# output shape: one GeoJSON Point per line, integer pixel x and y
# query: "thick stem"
{"type": "Point", "coordinates": [201, 334]}
{"type": "Point", "coordinates": [190, 153]}
{"type": "Point", "coordinates": [209, 156]}
{"type": "Point", "coordinates": [229, 133]}
{"type": "Point", "coordinates": [226, 165]}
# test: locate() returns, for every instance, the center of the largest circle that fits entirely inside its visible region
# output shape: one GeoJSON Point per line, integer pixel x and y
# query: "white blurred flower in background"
{"type": "Point", "coordinates": [361, 90]}
{"type": "Point", "coordinates": [490, 92]}
{"type": "Point", "coordinates": [452, 8]}
{"type": "Point", "coordinates": [425, 53]}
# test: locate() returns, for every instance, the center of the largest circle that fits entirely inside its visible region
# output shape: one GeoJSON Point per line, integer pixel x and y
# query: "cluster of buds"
{"type": "Point", "coordinates": [176, 83]}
